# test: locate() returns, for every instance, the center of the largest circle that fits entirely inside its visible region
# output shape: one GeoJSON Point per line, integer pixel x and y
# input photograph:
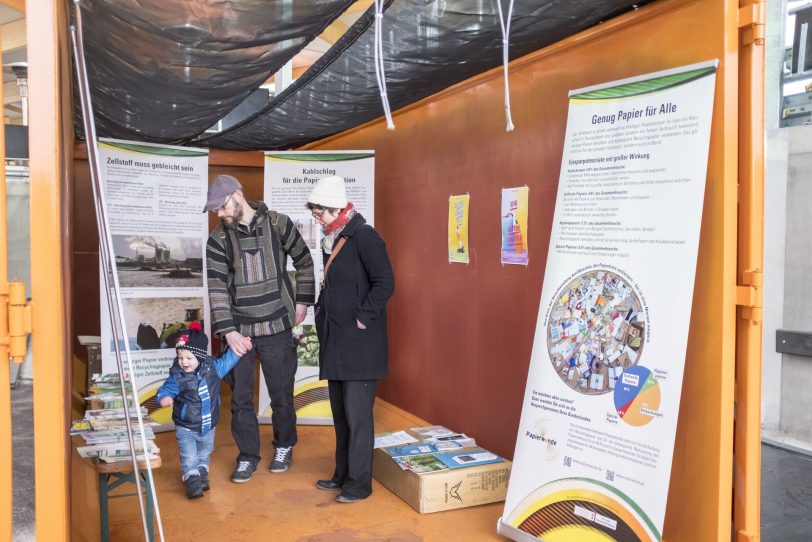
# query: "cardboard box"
{"type": "Point", "coordinates": [446, 489]}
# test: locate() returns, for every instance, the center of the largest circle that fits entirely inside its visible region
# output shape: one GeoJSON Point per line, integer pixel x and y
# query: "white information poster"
{"type": "Point", "coordinates": [289, 178]}
{"type": "Point", "coordinates": [596, 437]}
{"type": "Point", "coordinates": [155, 196]}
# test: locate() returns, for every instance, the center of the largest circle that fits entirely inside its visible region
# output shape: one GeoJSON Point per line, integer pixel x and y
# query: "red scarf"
{"type": "Point", "coordinates": [341, 220]}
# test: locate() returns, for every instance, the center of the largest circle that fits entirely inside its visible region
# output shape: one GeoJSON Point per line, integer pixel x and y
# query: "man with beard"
{"type": "Point", "coordinates": [251, 296]}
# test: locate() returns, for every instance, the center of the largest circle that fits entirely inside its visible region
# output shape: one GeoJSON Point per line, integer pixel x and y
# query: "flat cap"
{"type": "Point", "coordinates": [219, 191]}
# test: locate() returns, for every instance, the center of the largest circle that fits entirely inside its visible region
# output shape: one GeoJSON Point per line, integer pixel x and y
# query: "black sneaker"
{"type": "Point", "coordinates": [204, 479]}
{"type": "Point", "coordinates": [281, 459]}
{"type": "Point", "coordinates": [193, 488]}
{"type": "Point", "coordinates": [244, 471]}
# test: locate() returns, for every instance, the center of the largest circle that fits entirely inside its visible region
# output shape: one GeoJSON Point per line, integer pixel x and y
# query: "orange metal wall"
{"type": "Point", "coordinates": [461, 336]}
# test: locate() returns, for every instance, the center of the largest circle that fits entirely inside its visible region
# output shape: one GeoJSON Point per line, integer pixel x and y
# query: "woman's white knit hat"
{"type": "Point", "coordinates": [329, 192]}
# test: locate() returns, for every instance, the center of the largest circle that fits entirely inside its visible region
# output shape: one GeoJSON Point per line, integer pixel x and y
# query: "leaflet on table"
{"type": "Point", "coordinates": [459, 460]}
{"type": "Point", "coordinates": [118, 449]}
{"type": "Point", "coordinates": [456, 440]}
{"type": "Point", "coordinates": [396, 438]}
{"type": "Point", "coordinates": [600, 408]}
{"type": "Point", "coordinates": [446, 445]}
{"type": "Point", "coordinates": [114, 413]}
{"type": "Point", "coordinates": [116, 435]}
{"type": "Point", "coordinates": [289, 179]}
{"type": "Point", "coordinates": [420, 463]}
{"type": "Point", "coordinates": [124, 456]}
{"type": "Point", "coordinates": [432, 431]}
{"type": "Point", "coordinates": [411, 449]}
{"type": "Point", "coordinates": [80, 426]}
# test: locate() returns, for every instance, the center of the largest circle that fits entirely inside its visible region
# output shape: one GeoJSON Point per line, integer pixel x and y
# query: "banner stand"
{"type": "Point", "coordinates": [596, 436]}
{"type": "Point", "coordinates": [289, 178]}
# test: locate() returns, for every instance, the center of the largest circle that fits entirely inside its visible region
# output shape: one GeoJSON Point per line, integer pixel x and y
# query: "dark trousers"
{"type": "Point", "coordinates": [352, 403]}
{"type": "Point", "coordinates": [277, 358]}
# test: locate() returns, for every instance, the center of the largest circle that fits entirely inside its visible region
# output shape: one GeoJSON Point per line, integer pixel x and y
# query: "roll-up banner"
{"type": "Point", "coordinates": [289, 178]}
{"type": "Point", "coordinates": [155, 196]}
{"type": "Point", "coordinates": [596, 436]}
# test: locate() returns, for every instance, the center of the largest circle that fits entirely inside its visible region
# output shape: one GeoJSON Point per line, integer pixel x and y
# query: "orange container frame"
{"type": "Point", "coordinates": [456, 140]}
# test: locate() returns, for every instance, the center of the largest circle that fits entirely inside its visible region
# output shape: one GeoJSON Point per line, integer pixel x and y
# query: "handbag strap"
{"type": "Point", "coordinates": [333, 254]}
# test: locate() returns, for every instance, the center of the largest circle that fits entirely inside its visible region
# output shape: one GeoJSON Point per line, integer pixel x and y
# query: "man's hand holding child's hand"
{"type": "Point", "coordinates": [238, 343]}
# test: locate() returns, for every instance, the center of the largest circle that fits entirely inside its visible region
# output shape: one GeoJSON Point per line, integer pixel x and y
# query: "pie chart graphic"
{"type": "Point", "coordinates": [637, 396]}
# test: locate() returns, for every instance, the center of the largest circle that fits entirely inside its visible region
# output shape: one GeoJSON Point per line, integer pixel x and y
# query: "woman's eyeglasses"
{"type": "Point", "coordinates": [318, 212]}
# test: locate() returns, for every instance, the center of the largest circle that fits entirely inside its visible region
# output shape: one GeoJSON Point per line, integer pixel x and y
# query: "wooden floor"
{"type": "Point", "coordinates": [275, 507]}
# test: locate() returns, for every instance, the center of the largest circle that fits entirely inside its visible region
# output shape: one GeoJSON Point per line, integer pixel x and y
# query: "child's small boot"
{"type": "Point", "coordinates": [194, 488]}
{"type": "Point", "coordinates": [204, 479]}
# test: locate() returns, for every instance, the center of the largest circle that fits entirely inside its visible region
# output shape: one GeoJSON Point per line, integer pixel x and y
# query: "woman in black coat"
{"type": "Point", "coordinates": [351, 325]}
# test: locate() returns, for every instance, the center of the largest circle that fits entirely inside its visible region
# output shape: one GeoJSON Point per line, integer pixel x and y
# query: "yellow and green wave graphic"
{"type": "Point", "coordinates": [311, 399]}
{"type": "Point", "coordinates": [585, 510]}
{"type": "Point", "coordinates": [647, 86]}
{"type": "Point", "coordinates": [337, 157]}
{"type": "Point", "coordinates": [133, 148]}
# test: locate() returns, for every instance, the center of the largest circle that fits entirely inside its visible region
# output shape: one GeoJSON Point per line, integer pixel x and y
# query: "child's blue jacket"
{"type": "Point", "coordinates": [197, 394]}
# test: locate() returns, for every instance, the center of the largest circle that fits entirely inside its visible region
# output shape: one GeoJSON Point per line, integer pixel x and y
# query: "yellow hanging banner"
{"type": "Point", "coordinates": [458, 229]}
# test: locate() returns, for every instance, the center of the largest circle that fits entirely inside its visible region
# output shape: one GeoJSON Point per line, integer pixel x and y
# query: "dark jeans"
{"type": "Point", "coordinates": [352, 403]}
{"type": "Point", "coordinates": [277, 358]}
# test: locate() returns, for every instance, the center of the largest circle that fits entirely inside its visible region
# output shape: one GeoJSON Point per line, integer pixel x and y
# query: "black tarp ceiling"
{"type": "Point", "coordinates": [428, 45]}
{"type": "Point", "coordinates": [165, 71]}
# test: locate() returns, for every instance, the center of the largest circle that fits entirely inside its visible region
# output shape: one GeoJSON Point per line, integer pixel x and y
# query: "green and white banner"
{"type": "Point", "coordinates": [289, 178]}
{"type": "Point", "coordinates": [596, 437]}
{"type": "Point", "coordinates": [155, 196]}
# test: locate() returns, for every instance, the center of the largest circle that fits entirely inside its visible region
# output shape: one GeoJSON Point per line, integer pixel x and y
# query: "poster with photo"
{"type": "Point", "coordinates": [289, 178]}
{"type": "Point", "coordinates": [599, 416]}
{"type": "Point", "coordinates": [154, 195]}
{"type": "Point", "coordinates": [458, 248]}
{"type": "Point", "coordinates": [514, 225]}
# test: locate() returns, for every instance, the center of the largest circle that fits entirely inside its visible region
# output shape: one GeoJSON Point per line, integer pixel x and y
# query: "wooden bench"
{"type": "Point", "coordinates": [113, 475]}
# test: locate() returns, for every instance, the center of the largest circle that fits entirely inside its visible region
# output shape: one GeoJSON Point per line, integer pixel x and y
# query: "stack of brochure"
{"type": "Point", "coordinates": [105, 392]}
{"type": "Point", "coordinates": [104, 429]}
{"type": "Point", "coordinates": [432, 448]}
{"type": "Point", "coordinates": [443, 438]}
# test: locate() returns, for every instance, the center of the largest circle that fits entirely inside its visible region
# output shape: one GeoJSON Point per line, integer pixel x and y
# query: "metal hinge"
{"type": "Point", "coordinates": [749, 295]}
{"type": "Point", "coordinates": [752, 20]}
{"type": "Point", "coordinates": [19, 320]}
